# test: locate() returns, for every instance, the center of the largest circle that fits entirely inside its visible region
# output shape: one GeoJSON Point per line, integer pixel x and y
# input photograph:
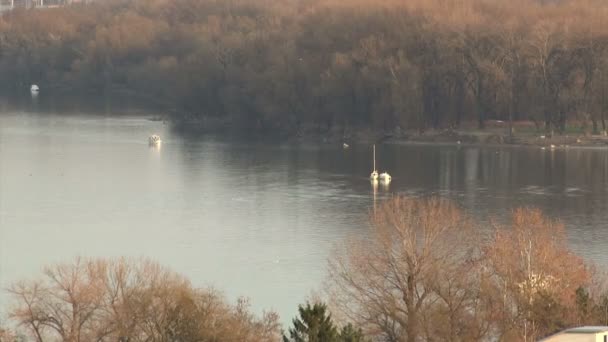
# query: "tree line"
{"type": "Point", "coordinates": [423, 273]}
{"type": "Point", "coordinates": [290, 66]}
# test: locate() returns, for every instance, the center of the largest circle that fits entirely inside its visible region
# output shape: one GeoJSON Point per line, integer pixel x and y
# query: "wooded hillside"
{"type": "Point", "coordinates": [288, 64]}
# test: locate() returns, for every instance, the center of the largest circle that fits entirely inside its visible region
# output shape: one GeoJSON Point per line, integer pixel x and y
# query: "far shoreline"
{"type": "Point", "coordinates": [364, 135]}
{"type": "Point", "coordinates": [494, 135]}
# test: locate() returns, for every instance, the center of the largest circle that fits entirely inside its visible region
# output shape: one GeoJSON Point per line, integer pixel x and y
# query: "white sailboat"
{"type": "Point", "coordinates": [385, 177]}
{"type": "Point", "coordinates": [374, 175]}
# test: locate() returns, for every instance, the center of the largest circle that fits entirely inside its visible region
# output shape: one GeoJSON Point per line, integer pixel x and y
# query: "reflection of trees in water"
{"type": "Point", "coordinates": [48, 102]}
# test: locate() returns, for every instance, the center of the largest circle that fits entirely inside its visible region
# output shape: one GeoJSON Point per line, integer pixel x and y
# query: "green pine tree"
{"type": "Point", "coordinates": [314, 324]}
{"type": "Point", "coordinates": [350, 334]}
{"type": "Point", "coordinates": [583, 304]}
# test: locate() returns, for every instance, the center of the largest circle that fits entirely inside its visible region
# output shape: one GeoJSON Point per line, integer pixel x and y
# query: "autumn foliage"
{"type": "Point", "coordinates": [530, 265]}
{"type": "Point", "coordinates": [288, 66]}
{"type": "Point", "coordinates": [427, 274]}
{"type": "Point", "coordinates": [130, 300]}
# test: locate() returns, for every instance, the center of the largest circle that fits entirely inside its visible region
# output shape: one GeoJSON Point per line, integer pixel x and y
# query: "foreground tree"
{"type": "Point", "coordinates": [420, 276]}
{"type": "Point", "coordinates": [408, 273]}
{"type": "Point", "coordinates": [125, 300]}
{"type": "Point", "coordinates": [8, 336]}
{"type": "Point", "coordinates": [539, 281]}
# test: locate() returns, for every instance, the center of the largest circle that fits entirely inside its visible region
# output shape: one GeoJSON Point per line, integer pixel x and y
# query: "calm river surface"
{"type": "Point", "coordinates": [252, 219]}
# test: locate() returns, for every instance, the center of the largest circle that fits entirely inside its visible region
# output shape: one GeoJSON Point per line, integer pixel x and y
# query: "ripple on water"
{"type": "Point", "coordinates": [574, 191]}
{"type": "Point", "coordinates": [535, 190]}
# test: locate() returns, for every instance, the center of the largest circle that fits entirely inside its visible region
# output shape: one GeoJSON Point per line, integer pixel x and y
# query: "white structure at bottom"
{"type": "Point", "coordinates": [580, 334]}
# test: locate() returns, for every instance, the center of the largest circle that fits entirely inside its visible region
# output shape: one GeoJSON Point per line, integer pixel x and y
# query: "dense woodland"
{"type": "Point", "coordinates": [293, 65]}
{"type": "Point", "coordinates": [422, 273]}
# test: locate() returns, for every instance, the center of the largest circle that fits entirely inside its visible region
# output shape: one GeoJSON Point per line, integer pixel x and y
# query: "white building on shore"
{"type": "Point", "coordinates": [6, 5]}
{"type": "Point", "coordinates": [580, 334]}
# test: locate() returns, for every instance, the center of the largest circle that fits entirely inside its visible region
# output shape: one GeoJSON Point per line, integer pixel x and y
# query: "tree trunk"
{"type": "Point", "coordinates": [594, 124]}
{"type": "Point", "coordinates": [480, 106]}
{"type": "Point", "coordinates": [603, 105]}
{"type": "Point", "coordinates": [460, 94]}
{"type": "Point", "coordinates": [602, 111]}
{"type": "Point", "coordinates": [412, 314]}
{"type": "Point", "coordinates": [412, 326]}
{"type": "Point", "coordinates": [511, 104]}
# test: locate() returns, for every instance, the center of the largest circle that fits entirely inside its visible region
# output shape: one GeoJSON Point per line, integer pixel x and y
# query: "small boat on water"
{"type": "Point", "coordinates": [385, 177]}
{"type": "Point", "coordinates": [34, 89]}
{"type": "Point", "coordinates": [154, 140]}
{"type": "Point", "coordinates": [374, 176]}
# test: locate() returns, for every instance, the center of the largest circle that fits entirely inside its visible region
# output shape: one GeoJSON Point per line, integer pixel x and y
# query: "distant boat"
{"type": "Point", "coordinates": [385, 177]}
{"type": "Point", "coordinates": [374, 175]}
{"type": "Point", "coordinates": [345, 145]}
{"type": "Point", "coordinates": [34, 89]}
{"type": "Point", "coordinates": [154, 140]}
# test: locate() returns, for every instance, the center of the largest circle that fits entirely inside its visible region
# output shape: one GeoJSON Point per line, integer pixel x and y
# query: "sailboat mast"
{"type": "Point", "coordinates": [374, 157]}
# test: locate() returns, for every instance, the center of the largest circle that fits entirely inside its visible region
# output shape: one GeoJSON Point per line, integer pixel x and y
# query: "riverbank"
{"type": "Point", "coordinates": [495, 133]}
{"type": "Point", "coordinates": [489, 136]}
{"type": "Point", "coordinates": [308, 134]}
{"type": "Point", "coordinates": [495, 138]}
{"type": "Point", "coordinates": [526, 133]}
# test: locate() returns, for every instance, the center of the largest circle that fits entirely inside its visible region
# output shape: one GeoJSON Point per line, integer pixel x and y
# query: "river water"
{"type": "Point", "coordinates": [252, 219]}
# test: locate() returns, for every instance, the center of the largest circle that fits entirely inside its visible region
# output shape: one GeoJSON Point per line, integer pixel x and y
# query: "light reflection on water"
{"type": "Point", "coordinates": [253, 219]}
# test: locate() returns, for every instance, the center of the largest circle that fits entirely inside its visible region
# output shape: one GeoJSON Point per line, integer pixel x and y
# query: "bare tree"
{"type": "Point", "coordinates": [7, 335]}
{"type": "Point", "coordinates": [127, 300]}
{"type": "Point", "coordinates": [64, 305]}
{"type": "Point", "coordinates": [392, 282]}
{"type": "Point", "coordinates": [529, 265]}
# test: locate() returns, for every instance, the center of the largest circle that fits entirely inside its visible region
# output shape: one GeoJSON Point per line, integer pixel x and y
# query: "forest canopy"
{"type": "Point", "coordinates": [288, 65]}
